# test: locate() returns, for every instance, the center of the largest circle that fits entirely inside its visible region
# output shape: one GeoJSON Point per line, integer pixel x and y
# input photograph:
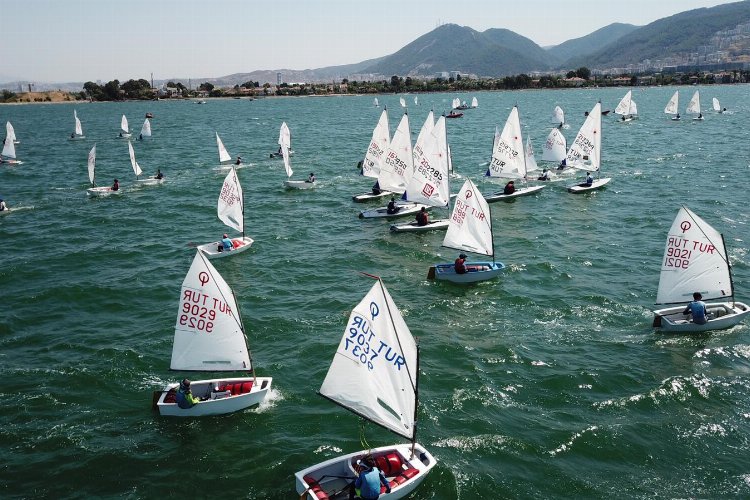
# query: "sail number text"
{"type": "Point", "coordinates": [680, 251]}
{"type": "Point", "coordinates": [364, 345]}
{"type": "Point", "coordinates": [198, 311]}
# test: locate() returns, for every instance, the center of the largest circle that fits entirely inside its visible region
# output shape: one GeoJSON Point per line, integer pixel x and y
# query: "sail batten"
{"type": "Point", "coordinates": [373, 373]}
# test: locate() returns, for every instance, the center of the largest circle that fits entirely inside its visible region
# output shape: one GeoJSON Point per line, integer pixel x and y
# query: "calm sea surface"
{"type": "Point", "coordinates": [548, 382]}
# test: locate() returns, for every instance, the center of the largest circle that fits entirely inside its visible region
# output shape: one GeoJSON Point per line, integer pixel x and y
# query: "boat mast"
{"type": "Point", "coordinates": [448, 160]}
{"type": "Point", "coordinates": [242, 208]}
{"type": "Point", "coordinates": [525, 167]}
{"type": "Point", "coordinates": [416, 406]}
{"type": "Point", "coordinates": [244, 335]}
{"type": "Point", "coordinates": [729, 268]}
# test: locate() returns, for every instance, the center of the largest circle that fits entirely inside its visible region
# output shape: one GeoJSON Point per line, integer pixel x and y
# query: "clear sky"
{"type": "Point", "coordinates": [80, 40]}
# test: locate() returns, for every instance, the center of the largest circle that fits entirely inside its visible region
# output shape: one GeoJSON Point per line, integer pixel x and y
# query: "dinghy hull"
{"type": "Point", "coordinates": [413, 227]}
{"type": "Point", "coordinates": [102, 191]}
{"type": "Point", "coordinates": [361, 198]}
{"type": "Point", "coordinates": [404, 210]}
{"type": "Point", "coordinates": [211, 250]}
{"type": "Point", "coordinates": [525, 191]}
{"type": "Point", "coordinates": [721, 315]}
{"type": "Point", "coordinates": [219, 396]}
{"type": "Point", "coordinates": [299, 184]}
{"type": "Point", "coordinates": [332, 478]}
{"type": "Point", "coordinates": [598, 184]}
{"type": "Point", "coordinates": [478, 271]}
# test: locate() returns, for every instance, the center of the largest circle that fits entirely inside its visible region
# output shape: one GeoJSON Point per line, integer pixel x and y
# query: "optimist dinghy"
{"type": "Point", "coordinates": [95, 190]}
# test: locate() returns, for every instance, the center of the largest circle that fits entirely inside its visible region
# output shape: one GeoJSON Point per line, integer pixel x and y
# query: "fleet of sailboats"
{"type": "Point", "coordinates": [375, 375]}
{"type": "Point", "coordinates": [696, 260]}
{"type": "Point", "coordinates": [231, 211]}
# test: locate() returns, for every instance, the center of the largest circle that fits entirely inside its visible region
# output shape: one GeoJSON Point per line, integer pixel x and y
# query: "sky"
{"type": "Point", "coordinates": [90, 40]}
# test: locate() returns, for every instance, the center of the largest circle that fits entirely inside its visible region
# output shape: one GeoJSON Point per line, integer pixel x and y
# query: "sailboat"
{"type": "Point", "coordinates": [474, 102]}
{"type": "Point", "coordinates": [672, 106]}
{"type": "Point", "coordinates": [280, 153]}
{"type": "Point", "coordinates": [285, 143]}
{"type": "Point", "coordinates": [375, 103]}
{"type": "Point", "coordinates": [402, 101]}
{"type": "Point", "coordinates": [508, 159]}
{"type": "Point", "coordinates": [375, 375]}
{"type": "Point", "coordinates": [416, 100]}
{"type": "Point", "coordinates": [8, 154]}
{"type": "Point", "coordinates": [209, 337]}
{"type": "Point", "coordinates": [224, 157]}
{"type": "Point", "coordinates": [231, 211]}
{"type": "Point", "coordinates": [124, 130]}
{"type": "Point", "coordinates": [624, 107]}
{"type": "Point", "coordinates": [138, 171]}
{"type": "Point", "coordinates": [374, 158]}
{"type": "Point", "coordinates": [78, 133]}
{"type": "Point", "coordinates": [95, 190]}
{"type": "Point", "coordinates": [455, 105]}
{"type": "Point", "coordinates": [395, 172]}
{"type": "Point", "coordinates": [555, 148]}
{"type": "Point", "coordinates": [11, 132]}
{"type": "Point", "coordinates": [714, 102]}
{"type": "Point", "coordinates": [696, 260]}
{"type": "Point", "coordinates": [558, 117]}
{"type": "Point", "coordinates": [470, 229]}
{"type": "Point", "coordinates": [145, 129]}
{"type": "Point", "coordinates": [430, 183]}
{"type": "Point", "coordinates": [694, 106]}
{"type": "Point", "coordinates": [585, 152]}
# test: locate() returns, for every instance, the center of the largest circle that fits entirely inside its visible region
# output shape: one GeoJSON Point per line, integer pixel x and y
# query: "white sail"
{"type": "Point", "coordinates": [10, 131]}
{"type": "Point", "coordinates": [133, 163]}
{"type": "Point", "coordinates": [208, 334]}
{"type": "Point", "coordinates": [694, 106]}
{"type": "Point", "coordinates": [223, 153]}
{"type": "Point", "coordinates": [672, 105]}
{"type": "Point", "coordinates": [402, 101]}
{"type": "Point", "coordinates": [285, 141]}
{"type": "Point", "coordinates": [588, 142]}
{"type": "Point", "coordinates": [146, 128]}
{"type": "Point", "coordinates": [623, 108]}
{"type": "Point", "coordinates": [695, 260]}
{"type": "Point", "coordinates": [430, 182]}
{"type": "Point", "coordinates": [470, 227]}
{"type": "Point", "coordinates": [558, 116]}
{"type": "Point", "coordinates": [456, 102]}
{"type": "Point", "coordinates": [424, 132]}
{"type": "Point", "coordinates": [374, 370]}
{"type": "Point", "coordinates": [633, 108]}
{"type": "Point", "coordinates": [508, 154]}
{"type": "Point", "coordinates": [555, 148]}
{"type": "Point", "coordinates": [530, 159]}
{"type": "Point", "coordinates": [450, 158]}
{"type": "Point", "coordinates": [124, 125]}
{"type": "Point", "coordinates": [416, 100]}
{"type": "Point", "coordinates": [230, 206]}
{"type": "Point", "coordinates": [398, 165]}
{"type": "Point", "coordinates": [714, 101]}
{"type": "Point", "coordinates": [474, 102]}
{"type": "Point", "coordinates": [377, 148]}
{"type": "Point", "coordinates": [375, 102]}
{"type": "Point", "coordinates": [79, 129]}
{"type": "Point", "coordinates": [9, 148]}
{"type": "Point", "coordinates": [92, 164]}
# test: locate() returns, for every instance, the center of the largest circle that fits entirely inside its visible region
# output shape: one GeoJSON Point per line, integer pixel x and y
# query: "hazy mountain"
{"type": "Point", "coordinates": [586, 45]}
{"type": "Point", "coordinates": [680, 34]}
{"type": "Point", "coordinates": [523, 45]}
{"type": "Point", "coordinates": [451, 47]}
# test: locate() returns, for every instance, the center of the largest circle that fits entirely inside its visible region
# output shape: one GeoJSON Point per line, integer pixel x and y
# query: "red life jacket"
{"type": "Point", "coordinates": [460, 266]}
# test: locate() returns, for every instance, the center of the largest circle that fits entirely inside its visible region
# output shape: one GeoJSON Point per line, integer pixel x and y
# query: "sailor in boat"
{"type": "Point", "coordinates": [678, 116]}
{"type": "Point", "coordinates": [140, 137]}
{"type": "Point", "coordinates": [422, 218]}
{"type": "Point", "coordinates": [239, 161]}
{"type": "Point", "coordinates": [120, 134]}
{"type": "Point", "coordinates": [311, 178]}
{"type": "Point", "coordinates": [116, 185]}
{"type": "Point", "coordinates": [376, 188]}
{"type": "Point", "coordinates": [392, 208]}
{"type": "Point", "coordinates": [184, 397]}
{"type": "Point", "coordinates": [459, 265]}
{"type": "Point", "coordinates": [158, 175]}
{"type": "Point", "coordinates": [509, 188]}
{"type": "Point", "coordinates": [700, 116]}
{"type": "Point", "coordinates": [563, 164]}
{"type": "Point", "coordinates": [544, 176]}
{"type": "Point", "coordinates": [697, 308]}
{"type": "Point", "coordinates": [367, 484]}
{"type": "Point", "coordinates": [589, 180]}
{"type": "Point", "coordinates": [723, 110]}
{"type": "Point", "coordinates": [225, 245]}
{"type": "Point", "coordinates": [72, 135]}
{"type": "Point", "coordinates": [3, 205]}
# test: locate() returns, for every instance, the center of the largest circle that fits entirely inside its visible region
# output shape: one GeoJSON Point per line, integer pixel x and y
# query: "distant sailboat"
{"type": "Point", "coordinates": [694, 106]}
{"type": "Point", "coordinates": [672, 106]}
{"type": "Point", "coordinates": [416, 101]}
{"type": "Point", "coordinates": [555, 149]}
{"type": "Point", "coordinates": [285, 143]}
{"type": "Point", "coordinates": [585, 152]}
{"type": "Point", "coordinates": [8, 154]}
{"type": "Point", "coordinates": [95, 190]}
{"type": "Point", "coordinates": [138, 171]}
{"type": "Point", "coordinates": [375, 103]}
{"type": "Point", "coordinates": [402, 101]}
{"type": "Point", "coordinates": [145, 129]}
{"type": "Point", "coordinates": [78, 133]}
{"type": "Point", "coordinates": [558, 117]}
{"type": "Point", "coordinates": [124, 129]}
{"type": "Point", "coordinates": [474, 102]}
{"type": "Point", "coordinates": [714, 102]}
{"type": "Point", "coordinates": [224, 157]}
{"type": "Point", "coordinates": [625, 107]}
{"type": "Point", "coordinates": [374, 157]}
{"type": "Point", "coordinates": [11, 132]}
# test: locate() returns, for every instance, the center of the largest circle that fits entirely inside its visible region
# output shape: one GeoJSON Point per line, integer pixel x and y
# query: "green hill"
{"type": "Point", "coordinates": [587, 45]}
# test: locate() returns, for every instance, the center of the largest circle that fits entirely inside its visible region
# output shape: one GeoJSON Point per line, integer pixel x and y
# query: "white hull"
{"type": "Point", "coordinates": [216, 403]}
{"type": "Point", "coordinates": [720, 316]}
{"type": "Point", "coordinates": [124, 136]}
{"type": "Point", "coordinates": [149, 181]}
{"type": "Point", "coordinates": [447, 272]}
{"type": "Point", "coordinates": [102, 191]}
{"type": "Point", "coordinates": [404, 210]}
{"type": "Point", "coordinates": [11, 162]}
{"type": "Point", "coordinates": [211, 250]}
{"type": "Point", "coordinates": [299, 184]}
{"type": "Point", "coordinates": [361, 198]}
{"type": "Point", "coordinates": [598, 183]}
{"type": "Point", "coordinates": [331, 478]}
{"type": "Point", "coordinates": [698, 119]}
{"type": "Point", "coordinates": [524, 191]}
{"type": "Point", "coordinates": [77, 138]}
{"type": "Point", "coordinates": [413, 227]}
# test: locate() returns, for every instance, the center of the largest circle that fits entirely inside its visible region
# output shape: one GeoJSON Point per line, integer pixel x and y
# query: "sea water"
{"type": "Point", "coordinates": [546, 382]}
